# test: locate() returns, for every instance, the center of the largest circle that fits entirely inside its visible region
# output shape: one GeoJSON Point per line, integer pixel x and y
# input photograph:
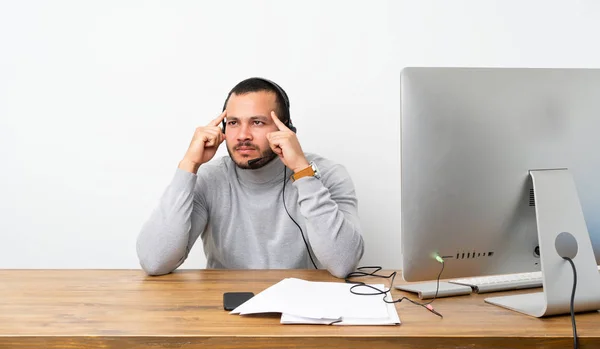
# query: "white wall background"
{"type": "Point", "coordinates": [98, 100]}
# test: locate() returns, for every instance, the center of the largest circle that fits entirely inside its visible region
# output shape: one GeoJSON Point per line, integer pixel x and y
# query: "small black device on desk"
{"type": "Point", "coordinates": [232, 300]}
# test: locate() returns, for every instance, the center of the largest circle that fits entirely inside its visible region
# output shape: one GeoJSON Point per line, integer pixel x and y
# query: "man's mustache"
{"type": "Point", "coordinates": [245, 144]}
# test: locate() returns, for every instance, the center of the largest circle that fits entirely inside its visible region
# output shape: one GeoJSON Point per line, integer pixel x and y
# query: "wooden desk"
{"type": "Point", "coordinates": [127, 309]}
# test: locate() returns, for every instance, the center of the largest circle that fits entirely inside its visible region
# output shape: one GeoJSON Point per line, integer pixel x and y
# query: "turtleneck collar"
{"type": "Point", "coordinates": [272, 172]}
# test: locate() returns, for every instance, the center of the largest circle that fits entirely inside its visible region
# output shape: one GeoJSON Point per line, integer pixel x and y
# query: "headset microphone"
{"type": "Point", "coordinates": [252, 163]}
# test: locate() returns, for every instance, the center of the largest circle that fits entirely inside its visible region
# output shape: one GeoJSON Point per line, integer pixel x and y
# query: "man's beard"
{"type": "Point", "coordinates": [265, 157]}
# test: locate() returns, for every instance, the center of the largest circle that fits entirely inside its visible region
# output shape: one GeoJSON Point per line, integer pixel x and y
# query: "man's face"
{"type": "Point", "coordinates": [248, 123]}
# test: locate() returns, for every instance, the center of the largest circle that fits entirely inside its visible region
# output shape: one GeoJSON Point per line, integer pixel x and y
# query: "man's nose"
{"type": "Point", "coordinates": [244, 132]}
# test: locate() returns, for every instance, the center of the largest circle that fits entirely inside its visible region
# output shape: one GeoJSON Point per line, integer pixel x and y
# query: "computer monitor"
{"type": "Point", "coordinates": [472, 140]}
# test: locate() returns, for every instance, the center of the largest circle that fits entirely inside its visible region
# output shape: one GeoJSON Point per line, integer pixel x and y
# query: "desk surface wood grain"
{"type": "Point", "coordinates": [127, 309]}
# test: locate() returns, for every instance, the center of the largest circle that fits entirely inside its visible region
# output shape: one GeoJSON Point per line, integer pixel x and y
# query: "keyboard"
{"type": "Point", "coordinates": [506, 282]}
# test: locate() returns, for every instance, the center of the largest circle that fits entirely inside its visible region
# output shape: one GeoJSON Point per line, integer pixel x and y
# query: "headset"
{"type": "Point", "coordinates": [287, 121]}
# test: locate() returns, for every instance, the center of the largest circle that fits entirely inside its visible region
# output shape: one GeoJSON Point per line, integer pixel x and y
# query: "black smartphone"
{"type": "Point", "coordinates": [232, 300]}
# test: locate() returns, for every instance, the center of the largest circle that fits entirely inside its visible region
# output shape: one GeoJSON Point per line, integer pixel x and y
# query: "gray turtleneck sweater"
{"type": "Point", "coordinates": [242, 221]}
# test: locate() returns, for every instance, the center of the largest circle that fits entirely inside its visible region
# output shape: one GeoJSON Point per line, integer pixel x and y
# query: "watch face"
{"type": "Point", "coordinates": [315, 169]}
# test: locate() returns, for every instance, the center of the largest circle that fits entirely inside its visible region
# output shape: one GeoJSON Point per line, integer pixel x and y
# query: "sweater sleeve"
{"type": "Point", "coordinates": [330, 208]}
{"type": "Point", "coordinates": [173, 227]}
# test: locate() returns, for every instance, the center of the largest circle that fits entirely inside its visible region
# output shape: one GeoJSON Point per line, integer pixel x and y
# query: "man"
{"type": "Point", "coordinates": [266, 205]}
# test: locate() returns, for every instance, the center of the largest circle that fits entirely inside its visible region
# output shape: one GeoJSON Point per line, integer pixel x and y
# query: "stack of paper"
{"type": "Point", "coordinates": [307, 302]}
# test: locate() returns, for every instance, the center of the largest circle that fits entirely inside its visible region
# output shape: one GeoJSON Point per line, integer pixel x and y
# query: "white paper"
{"type": "Point", "coordinates": [309, 302]}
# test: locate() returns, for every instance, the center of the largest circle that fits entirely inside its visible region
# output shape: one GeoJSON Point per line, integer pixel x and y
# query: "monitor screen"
{"type": "Point", "coordinates": [470, 137]}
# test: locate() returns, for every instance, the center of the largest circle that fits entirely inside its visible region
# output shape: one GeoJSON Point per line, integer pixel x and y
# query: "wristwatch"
{"type": "Point", "coordinates": [311, 170]}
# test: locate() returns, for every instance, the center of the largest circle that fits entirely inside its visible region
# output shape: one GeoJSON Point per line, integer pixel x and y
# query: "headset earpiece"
{"type": "Point", "coordinates": [223, 121]}
{"type": "Point", "coordinates": [291, 127]}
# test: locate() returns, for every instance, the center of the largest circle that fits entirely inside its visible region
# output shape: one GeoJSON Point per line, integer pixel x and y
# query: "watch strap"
{"type": "Point", "coordinates": [309, 171]}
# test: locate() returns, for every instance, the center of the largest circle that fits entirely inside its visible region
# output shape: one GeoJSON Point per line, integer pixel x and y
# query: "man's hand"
{"type": "Point", "coordinates": [204, 145]}
{"type": "Point", "coordinates": [285, 144]}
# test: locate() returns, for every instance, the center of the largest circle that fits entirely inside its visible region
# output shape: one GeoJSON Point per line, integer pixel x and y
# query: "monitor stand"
{"type": "Point", "coordinates": [558, 210]}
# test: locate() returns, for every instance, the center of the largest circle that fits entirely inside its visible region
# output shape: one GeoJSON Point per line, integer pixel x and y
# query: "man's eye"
{"type": "Point", "coordinates": [231, 122]}
{"type": "Point", "coordinates": [256, 122]}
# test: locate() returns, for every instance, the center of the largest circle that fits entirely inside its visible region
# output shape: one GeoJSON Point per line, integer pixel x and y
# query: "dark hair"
{"type": "Point", "coordinates": [259, 84]}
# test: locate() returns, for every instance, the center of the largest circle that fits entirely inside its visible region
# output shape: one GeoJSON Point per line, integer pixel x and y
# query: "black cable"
{"type": "Point", "coordinates": [575, 342]}
{"type": "Point", "coordinates": [392, 276]}
{"type": "Point", "coordinates": [286, 210]}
